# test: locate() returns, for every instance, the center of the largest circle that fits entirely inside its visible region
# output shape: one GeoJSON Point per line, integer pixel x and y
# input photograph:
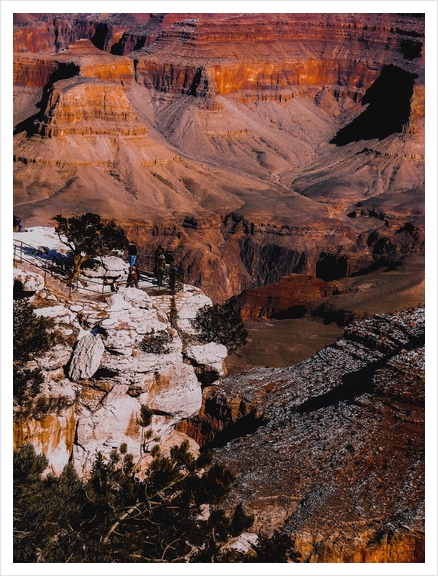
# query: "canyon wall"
{"type": "Point", "coordinates": [331, 451]}
{"type": "Point", "coordinates": [234, 121]}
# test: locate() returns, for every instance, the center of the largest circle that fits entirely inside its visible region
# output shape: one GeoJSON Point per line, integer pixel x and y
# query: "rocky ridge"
{"type": "Point", "coordinates": [331, 450]}
{"type": "Point", "coordinates": [106, 365]}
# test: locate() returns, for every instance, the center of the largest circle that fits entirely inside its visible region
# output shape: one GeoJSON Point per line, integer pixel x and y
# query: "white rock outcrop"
{"type": "Point", "coordinates": [86, 357]}
{"type": "Point", "coordinates": [135, 297]}
{"type": "Point", "coordinates": [211, 355]}
{"type": "Point", "coordinates": [60, 314]}
{"type": "Point", "coordinates": [137, 342]}
{"type": "Point", "coordinates": [108, 267]}
{"type": "Point", "coordinates": [174, 390]}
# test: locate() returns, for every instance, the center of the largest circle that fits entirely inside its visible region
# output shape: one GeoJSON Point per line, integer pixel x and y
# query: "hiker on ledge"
{"type": "Point", "coordinates": [132, 253]}
{"type": "Point", "coordinates": [158, 252]}
{"type": "Point", "coordinates": [161, 269]}
{"type": "Point", "coordinates": [133, 277]}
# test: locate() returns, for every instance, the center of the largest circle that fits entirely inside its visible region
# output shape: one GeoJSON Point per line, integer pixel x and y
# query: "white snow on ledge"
{"type": "Point", "coordinates": [40, 236]}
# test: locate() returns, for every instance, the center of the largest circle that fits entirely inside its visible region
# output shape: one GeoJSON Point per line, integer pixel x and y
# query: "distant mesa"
{"type": "Point", "coordinates": [88, 106]}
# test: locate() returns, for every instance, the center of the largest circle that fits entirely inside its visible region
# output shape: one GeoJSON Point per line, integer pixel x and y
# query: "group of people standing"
{"type": "Point", "coordinates": [163, 260]}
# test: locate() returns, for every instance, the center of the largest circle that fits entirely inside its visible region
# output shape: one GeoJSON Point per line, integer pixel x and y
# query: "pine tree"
{"type": "Point", "coordinates": [88, 236]}
{"type": "Point", "coordinates": [221, 323]}
{"type": "Point", "coordinates": [31, 338]}
{"type": "Point", "coordinates": [115, 517]}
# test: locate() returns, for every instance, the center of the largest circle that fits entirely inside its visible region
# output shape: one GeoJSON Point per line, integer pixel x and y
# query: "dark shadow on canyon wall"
{"type": "Point", "coordinates": [64, 72]}
{"type": "Point", "coordinates": [388, 111]}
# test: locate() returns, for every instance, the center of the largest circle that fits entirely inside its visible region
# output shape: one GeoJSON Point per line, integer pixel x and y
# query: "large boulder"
{"type": "Point", "coordinates": [210, 355]}
{"type": "Point", "coordinates": [86, 357]}
{"type": "Point", "coordinates": [137, 298]}
{"type": "Point", "coordinates": [114, 266]}
{"type": "Point", "coordinates": [108, 267]}
{"type": "Point", "coordinates": [174, 390]}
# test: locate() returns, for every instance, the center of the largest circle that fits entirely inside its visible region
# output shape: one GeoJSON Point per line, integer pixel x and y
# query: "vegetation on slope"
{"type": "Point", "coordinates": [115, 517]}
{"type": "Point", "coordinates": [31, 338]}
{"type": "Point", "coordinates": [221, 323]}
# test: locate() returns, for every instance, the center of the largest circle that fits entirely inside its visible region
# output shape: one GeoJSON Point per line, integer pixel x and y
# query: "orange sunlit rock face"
{"type": "Point", "coordinates": [81, 58]}
{"type": "Point", "coordinates": [81, 106]}
{"type": "Point", "coordinates": [248, 106]}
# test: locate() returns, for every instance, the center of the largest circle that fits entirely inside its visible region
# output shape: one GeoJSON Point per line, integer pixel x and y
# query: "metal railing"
{"type": "Point", "coordinates": [60, 267]}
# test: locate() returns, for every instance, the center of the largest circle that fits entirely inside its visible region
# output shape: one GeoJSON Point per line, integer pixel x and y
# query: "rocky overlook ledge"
{"type": "Point", "coordinates": [107, 364]}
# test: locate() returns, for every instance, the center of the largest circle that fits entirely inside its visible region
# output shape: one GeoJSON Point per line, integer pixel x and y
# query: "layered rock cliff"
{"type": "Point", "coordinates": [331, 450]}
{"type": "Point", "coordinates": [112, 358]}
{"type": "Point", "coordinates": [297, 136]}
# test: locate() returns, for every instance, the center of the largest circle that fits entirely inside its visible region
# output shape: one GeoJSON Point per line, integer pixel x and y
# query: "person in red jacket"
{"type": "Point", "coordinates": [133, 277]}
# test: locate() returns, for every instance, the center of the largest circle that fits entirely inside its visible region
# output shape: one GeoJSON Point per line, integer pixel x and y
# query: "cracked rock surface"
{"type": "Point", "coordinates": [337, 459]}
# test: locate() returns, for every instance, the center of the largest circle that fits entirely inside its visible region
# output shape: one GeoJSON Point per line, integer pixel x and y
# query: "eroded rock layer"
{"type": "Point", "coordinates": [331, 450]}
{"type": "Point", "coordinates": [265, 143]}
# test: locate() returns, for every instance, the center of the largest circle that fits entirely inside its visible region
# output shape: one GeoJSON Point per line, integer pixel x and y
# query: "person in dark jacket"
{"type": "Point", "coordinates": [169, 257]}
{"type": "Point", "coordinates": [161, 269]}
{"type": "Point", "coordinates": [132, 253]}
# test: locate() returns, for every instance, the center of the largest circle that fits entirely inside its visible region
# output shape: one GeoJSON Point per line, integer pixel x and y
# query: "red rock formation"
{"type": "Point", "coordinates": [253, 52]}
{"type": "Point", "coordinates": [82, 58]}
{"type": "Point", "coordinates": [49, 32]}
{"type": "Point", "coordinates": [87, 106]}
{"type": "Point", "coordinates": [242, 113]}
{"type": "Point", "coordinates": [291, 297]}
